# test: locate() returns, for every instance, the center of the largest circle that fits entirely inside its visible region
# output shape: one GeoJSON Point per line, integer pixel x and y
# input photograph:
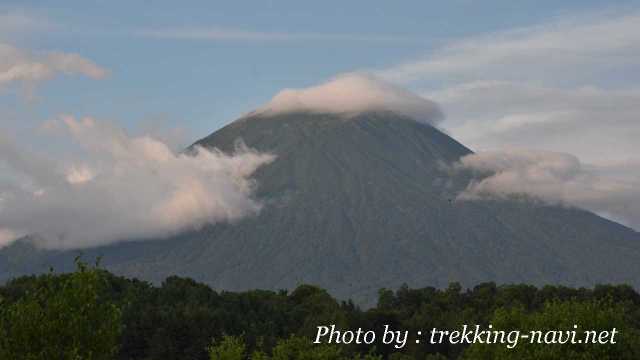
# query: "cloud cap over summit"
{"type": "Point", "coordinates": [354, 93]}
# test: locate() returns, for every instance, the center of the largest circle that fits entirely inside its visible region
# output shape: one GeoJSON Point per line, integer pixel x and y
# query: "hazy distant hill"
{"type": "Point", "coordinates": [357, 204]}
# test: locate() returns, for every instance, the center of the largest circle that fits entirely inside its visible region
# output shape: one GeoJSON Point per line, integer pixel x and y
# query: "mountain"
{"type": "Point", "coordinates": [360, 202]}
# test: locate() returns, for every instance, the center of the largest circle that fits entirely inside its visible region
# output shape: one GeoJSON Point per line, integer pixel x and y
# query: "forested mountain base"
{"type": "Point", "coordinates": [92, 314]}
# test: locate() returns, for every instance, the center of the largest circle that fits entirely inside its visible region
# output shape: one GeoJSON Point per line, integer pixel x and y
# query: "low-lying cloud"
{"type": "Point", "coordinates": [355, 93]}
{"type": "Point", "coordinates": [119, 187]}
{"type": "Point", "coordinates": [557, 178]}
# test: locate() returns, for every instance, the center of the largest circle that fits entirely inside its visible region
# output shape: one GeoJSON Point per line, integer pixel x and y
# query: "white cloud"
{"type": "Point", "coordinates": [354, 93]}
{"type": "Point", "coordinates": [567, 86]}
{"type": "Point", "coordinates": [226, 34]}
{"type": "Point", "coordinates": [120, 188]}
{"type": "Point", "coordinates": [557, 178]}
{"type": "Point", "coordinates": [559, 88]}
{"type": "Point", "coordinates": [596, 124]}
{"type": "Point", "coordinates": [575, 47]}
{"type": "Point", "coordinates": [28, 69]}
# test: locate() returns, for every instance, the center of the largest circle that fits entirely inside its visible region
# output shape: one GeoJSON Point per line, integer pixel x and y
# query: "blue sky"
{"type": "Point", "coordinates": [201, 84]}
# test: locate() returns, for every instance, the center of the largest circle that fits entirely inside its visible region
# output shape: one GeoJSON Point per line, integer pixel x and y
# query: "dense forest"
{"type": "Point", "coordinates": [92, 314]}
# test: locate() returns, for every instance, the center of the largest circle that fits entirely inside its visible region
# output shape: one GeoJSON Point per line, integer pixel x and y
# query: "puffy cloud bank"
{"type": "Point", "coordinates": [28, 69]}
{"type": "Point", "coordinates": [119, 188]}
{"type": "Point", "coordinates": [557, 178]}
{"type": "Point", "coordinates": [568, 86]}
{"type": "Point", "coordinates": [355, 93]}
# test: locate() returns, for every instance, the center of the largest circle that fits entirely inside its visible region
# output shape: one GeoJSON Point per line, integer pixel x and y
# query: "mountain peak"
{"type": "Point", "coordinates": [363, 204]}
{"type": "Point", "coordinates": [353, 93]}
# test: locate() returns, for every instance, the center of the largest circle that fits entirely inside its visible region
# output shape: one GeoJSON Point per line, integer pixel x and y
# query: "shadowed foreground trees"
{"type": "Point", "coordinates": [295, 347]}
{"type": "Point", "coordinates": [92, 314]}
{"type": "Point", "coordinates": [592, 315]}
{"type": "Point", "coordinates": [64, 317]}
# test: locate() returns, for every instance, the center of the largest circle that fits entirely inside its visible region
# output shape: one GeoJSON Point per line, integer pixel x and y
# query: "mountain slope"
{"type": "Point", "coordinates": [355, 204]}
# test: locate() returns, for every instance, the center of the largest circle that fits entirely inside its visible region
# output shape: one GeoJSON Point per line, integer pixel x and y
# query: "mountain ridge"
{"type": "Point", "coordinates": [357, 205]}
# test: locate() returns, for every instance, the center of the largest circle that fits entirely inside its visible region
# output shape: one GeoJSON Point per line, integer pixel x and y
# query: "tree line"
{"type": "Point", "coordinates": [93, 314]}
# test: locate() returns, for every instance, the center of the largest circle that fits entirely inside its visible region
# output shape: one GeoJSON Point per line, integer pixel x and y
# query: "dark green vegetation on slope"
{"type": "Point", "coordinates": [354, 205]}
{"type": "Point", "coordinates": [92, 314]}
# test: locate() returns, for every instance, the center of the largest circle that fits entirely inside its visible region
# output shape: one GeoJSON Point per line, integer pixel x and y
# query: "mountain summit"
{"type": "Point", "coordinates": [368, 203]}
{"type": "Point", "coordinates": [357, 205]}
{"type": "Point", "coordinates": [351, 94]}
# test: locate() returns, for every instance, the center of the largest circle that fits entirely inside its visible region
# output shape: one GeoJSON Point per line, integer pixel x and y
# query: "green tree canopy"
{"type": "Point", "coordinates": [591, 315]}
{"type": "Point", "coordinates": [61, 317]}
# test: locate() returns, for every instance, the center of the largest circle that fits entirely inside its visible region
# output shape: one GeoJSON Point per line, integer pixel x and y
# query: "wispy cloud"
{"type": "Point", "coordinates": [575, 47]}
{"type": "Point", "coordinates": [228, 34]}
{"type": "Point", "coordinates": [595, 123]}
{"type": "Point", "coordinates": [567, 86]}
{"type": "Point", "coordinates": [28, 69]}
